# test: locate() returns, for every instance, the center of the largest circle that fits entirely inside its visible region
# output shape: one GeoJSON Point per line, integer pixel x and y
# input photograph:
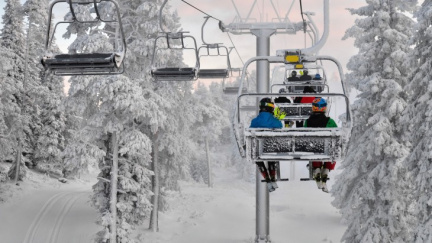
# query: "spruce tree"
{"type": "Point", "coordinates": [368, 190]}
{"type": "Point", "coordinates": [13, 96]}
{"type": "Point", "coordinates": [45, 92]}
{"type": "Point", "coordinates": [416, 122]}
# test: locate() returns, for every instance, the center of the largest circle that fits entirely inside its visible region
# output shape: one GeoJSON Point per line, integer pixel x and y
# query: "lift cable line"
{"type": "Point", "coordinates": [208, 15]}
{"type": "Point", "coordinates": [304, 21]}
{"type": "Point", "coordinates": [220, 21]}
{"type": "Point", "coordinates": [201, 10]}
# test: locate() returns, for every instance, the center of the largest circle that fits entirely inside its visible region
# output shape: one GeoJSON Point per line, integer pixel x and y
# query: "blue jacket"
{"type": "Point", "coordinates": [265, 120]}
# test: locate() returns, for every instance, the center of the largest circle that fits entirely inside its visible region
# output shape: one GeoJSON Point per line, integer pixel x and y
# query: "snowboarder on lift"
{"type": "Point", "coordinates": [265, 119]}
{"type": "Point", "coordinates": [319, 119]}
{"type": "Point", "coordinates": [293, 77]}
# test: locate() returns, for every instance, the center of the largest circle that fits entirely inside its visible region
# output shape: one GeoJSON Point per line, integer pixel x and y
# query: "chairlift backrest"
{"type": "Point", "coordinates": [104, 62]}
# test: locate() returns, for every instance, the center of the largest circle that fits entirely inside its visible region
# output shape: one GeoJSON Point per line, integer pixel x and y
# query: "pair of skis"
{"type": "Point", "coordinates": [270, 174]}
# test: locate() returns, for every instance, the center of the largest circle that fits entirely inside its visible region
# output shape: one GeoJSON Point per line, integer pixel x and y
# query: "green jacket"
{"type": "Point", "coordinates": [319, 120]}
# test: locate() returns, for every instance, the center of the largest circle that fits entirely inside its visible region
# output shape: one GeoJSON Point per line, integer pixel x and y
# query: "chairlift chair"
{"type": "Point", "coordinates": [164, 72]}
{"type": "Point", "coordinates": [214, 51]}
{"type": "Point", "coordinates": [100, 63]}
{"type": "Point", "coordinates": [291, 144]}
{"type": "Point", "coordinates": [233, 90]}
{"type": "Point", "coordinates": [294, 144]}
{"type": "Point", "coordinates": [215, 73]}
{"type": "Point", "coordinates": [297, 86]}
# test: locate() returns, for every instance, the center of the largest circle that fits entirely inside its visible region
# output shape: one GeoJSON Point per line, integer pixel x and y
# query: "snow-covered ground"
{"type": "Point", "coordinates": [54, 212]}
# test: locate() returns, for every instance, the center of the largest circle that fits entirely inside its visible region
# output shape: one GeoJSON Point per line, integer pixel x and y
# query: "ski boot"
{"type": "Point", "coordinates": [324, 178]}
{"type": "Point", "coordinates": [272, 169]}
{"type": "Point", "coordinates": [271, 186]}
{"type": "Point", "coordinates": [317, 177]}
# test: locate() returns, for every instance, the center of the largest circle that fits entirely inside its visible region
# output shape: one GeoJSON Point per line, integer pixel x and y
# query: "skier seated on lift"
{"type": "Point", "coordinates": [305, 76]}
{"type": "Point", "coordinates": [304, 100]}
{"type": "Point", "coordinates": [265, 119]}
{"type": "Point", "coordinates": [293, 77]}
{"type": "Point", "coordinates": [319, 119]}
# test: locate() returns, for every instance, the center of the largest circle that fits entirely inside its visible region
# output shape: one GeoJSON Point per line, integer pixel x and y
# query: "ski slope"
{"type": "Point", "coordinates": [225, 213]}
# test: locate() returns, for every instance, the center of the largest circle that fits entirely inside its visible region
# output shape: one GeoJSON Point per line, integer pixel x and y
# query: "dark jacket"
{"type": "Point", "coordinates": [282, 99]}
{"type": "Point", "coordinates": [265, 120]}
{"type": "Point", "coordinates": [319, 119]}
{"type": "Point", "coordinates": [294, 79]}
{"type": "Point", "coordinates": [305, 78]}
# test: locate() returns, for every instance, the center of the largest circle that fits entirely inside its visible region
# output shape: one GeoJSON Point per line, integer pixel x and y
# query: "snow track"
{"type": "Point", "coordinates": [50, 217]}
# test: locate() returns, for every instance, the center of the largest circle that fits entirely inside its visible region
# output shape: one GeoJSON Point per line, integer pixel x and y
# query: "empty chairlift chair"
{"type": "Point", "coordinates": [168, 70]}
{"type": "Point", "coordinates": [216, 51]}
{"type": "Point", "coordinates": [104, 62]}
{"type": "Point", "coordinates": [231, 87]}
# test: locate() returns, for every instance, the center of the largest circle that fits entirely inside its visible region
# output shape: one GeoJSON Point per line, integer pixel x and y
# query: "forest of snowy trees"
{"type": "Point", "coordinates": [162, 128]}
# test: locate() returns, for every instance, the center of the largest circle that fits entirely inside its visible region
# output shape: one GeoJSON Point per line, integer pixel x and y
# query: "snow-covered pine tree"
{"type": "Point", "coordinates": [128, 104]}
{"type": "Point", "coordinates": [417, 120]}
{"type": "Point", "coordinates": [12, 42]}
{"type": "Point", "coordinates": [45, 93]}
{"type": "Point", "coordinates": [368, 190]}
{"type": "Point", "coordinates": [210, 121]}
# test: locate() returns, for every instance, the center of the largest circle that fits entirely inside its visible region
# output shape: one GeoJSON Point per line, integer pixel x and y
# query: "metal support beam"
{"type": "Point", "coordinates": [263, 77]}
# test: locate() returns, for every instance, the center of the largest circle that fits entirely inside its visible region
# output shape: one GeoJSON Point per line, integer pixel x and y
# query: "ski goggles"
{"type": "Point", "coordinates": [267, 104]}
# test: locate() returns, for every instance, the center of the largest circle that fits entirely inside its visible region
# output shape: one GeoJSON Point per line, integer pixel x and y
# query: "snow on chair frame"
{"type": "Point", "coordinates": [242, 135]}
{"type": "Point", "coordinates": [296, 144]}
{"type": "Point", "coordinates": [96, 63]}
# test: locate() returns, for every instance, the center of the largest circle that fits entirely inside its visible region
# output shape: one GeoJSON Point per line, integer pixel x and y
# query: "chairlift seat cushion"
{"type": "Point", "coordinates": [81, 60]}
{"type": "Point", "coordinates": [234, 90]}
{"type": "Point", "coordinates": [213, 73]}
{"type": "Point", "coordinates": [174, 73]}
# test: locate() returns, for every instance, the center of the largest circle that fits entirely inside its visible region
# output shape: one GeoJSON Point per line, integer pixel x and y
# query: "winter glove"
{"type": "Point", "coordinates": [289, 124]}
{"type": "Point", "coordinates": [278, 114]}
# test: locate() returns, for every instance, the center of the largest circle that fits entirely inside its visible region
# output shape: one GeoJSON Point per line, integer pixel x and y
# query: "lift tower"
{"type": "Point", "coordinates": [263, 31]}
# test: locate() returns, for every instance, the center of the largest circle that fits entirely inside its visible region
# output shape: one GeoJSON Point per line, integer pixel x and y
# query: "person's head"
{"type": "Point", "coordinates": [282, 91]}
{"type": "Point", "coordinates": [308, 89]}
{"type": "Point", "coordinates": [317, 76]}
{"type": "Point", "coordinates": [305, 72]}
{"type": "Point", "coordinates": [319, 105]}
{"type": "Point", "coordinates": [266, 105]}
{"type": "Point", "coordinates": [293, 73]}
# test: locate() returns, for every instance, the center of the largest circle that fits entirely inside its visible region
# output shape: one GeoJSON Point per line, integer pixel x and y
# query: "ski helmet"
{"type": "Point", "coordinates": [266, 105]}
{"type": "Point", "coordinates": [319, 105]}
{"type": "Point", "coordinates": [293, 73]}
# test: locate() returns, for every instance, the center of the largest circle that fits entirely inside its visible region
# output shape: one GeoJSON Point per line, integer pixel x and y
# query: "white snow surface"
{"type": "Point", "coordinates": [49, 211]}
